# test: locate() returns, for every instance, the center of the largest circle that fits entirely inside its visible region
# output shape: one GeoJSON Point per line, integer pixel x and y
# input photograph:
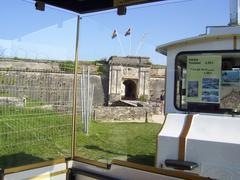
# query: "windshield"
{"type": "Point", "coordinates": [208, 81]}
{"type": "Point", "coordinates": [116, 97]}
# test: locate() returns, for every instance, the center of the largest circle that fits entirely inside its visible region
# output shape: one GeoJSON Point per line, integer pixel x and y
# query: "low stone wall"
{"type": "Point", "coordinates": [122, 114]}
{"type": "Point", "coordinates": [11, 101]}
{"type": "Point", "coordinates": [29, 65]}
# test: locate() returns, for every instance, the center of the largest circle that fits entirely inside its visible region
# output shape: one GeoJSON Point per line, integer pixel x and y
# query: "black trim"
{"type": "Point", "coordinates": [182, 165]}
{"type": "Point", "coordinates": [73, 172]}
{"type": "Point", "coordinates": [209, 110]}
{"type": "Point", "coordinates": [88, 6]}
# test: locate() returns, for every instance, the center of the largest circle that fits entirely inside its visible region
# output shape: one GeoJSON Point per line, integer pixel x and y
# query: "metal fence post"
{"type": "Point", "coordinates": [74, 108]}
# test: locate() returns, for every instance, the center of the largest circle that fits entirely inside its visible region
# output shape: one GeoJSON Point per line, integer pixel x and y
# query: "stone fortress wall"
{"type": "Point", "coordinates": [44, 80]}
{"type": "Point", "coordinates": [133, 78]}
{"type": "Point", "coordinates": [49, 87]}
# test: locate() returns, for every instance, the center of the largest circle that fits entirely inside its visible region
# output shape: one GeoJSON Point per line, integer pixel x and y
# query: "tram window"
{"type": "Point", "coordinates": [208, 81]}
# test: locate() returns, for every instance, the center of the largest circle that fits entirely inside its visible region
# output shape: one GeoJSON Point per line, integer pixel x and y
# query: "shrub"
{"type": "Point", "coordinates": [67, 66]}
{"type": "Point", "coordinates": [142, 98]}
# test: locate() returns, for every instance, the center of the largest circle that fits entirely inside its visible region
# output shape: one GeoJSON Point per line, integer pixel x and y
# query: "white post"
{"type": "Point", "coordinates": [82, 96]}
{"type": "Point", "coordinates": [91, 99]}
{"type": "Point", "coordinates": [84, 99]}
{"type": "Point", "coordinates": [234, 12]}
{"type": "Point", "coordinates": [88, 95]}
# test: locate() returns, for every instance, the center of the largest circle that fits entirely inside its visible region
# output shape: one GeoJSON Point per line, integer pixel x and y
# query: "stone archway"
{"type": "Point", "coordinates": [130, 90]}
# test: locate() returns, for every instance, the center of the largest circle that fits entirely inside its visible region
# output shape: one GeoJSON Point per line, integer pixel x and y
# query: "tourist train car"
{"type": "Point", "coordinates": [201, 130]}
{"type": "Point", "coordinates": [200, 137]}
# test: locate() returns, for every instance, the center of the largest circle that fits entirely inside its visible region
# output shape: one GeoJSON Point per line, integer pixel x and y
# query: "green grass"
{"type": "Point", "coordinates": [33, 103]}
{"type": "Point", "coordinates": [134, 142]}
{"type": "Point", "coordinates": [67, 66]}
{"type": "Point", "coordinates": [4, 93]}
{"type": "Point", "coordinates": [33, 135]}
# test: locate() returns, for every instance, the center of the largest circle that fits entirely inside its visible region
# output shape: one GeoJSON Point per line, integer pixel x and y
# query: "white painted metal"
{"type": "Point", "coordinates": [40, 172]}
{"type": "Point", "coordinates": [168, 138]}
{"type": "Point", "coordinates": [200, 43]}
{"type": "Point", "coordinates": [222, 30]}
{"type": "Point", "coordinates": [214, 143]}
{"type": "Point", "coordinates": [213, 140]}
{"type": "Point", "coordinates": [214, 35]}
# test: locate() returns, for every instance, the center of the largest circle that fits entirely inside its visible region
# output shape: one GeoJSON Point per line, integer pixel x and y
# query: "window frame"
{"type": "Point", "coordinates": [220, 111]}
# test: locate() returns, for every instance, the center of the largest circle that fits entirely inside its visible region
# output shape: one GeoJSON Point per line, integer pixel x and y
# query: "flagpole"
{"type": "Point", "coordinates": [120, 43]}
{"type": "Point", "coordinates": [129, 33]}
{"type": "Point", "coordinates": [140, 43]}
{"type": "Point", "coordinates": [130, 44]}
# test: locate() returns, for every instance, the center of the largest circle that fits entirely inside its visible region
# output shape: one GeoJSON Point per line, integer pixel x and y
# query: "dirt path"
{"type": "Point", "coordinates": [158, 118]}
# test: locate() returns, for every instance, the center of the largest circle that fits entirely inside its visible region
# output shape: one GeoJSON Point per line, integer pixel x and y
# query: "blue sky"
{"type": "Point", "coordinates": [28, 33]}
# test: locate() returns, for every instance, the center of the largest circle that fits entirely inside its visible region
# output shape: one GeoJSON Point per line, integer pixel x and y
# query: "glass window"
{"type": "Point", "coordinates": [37, 54]}
{"type": "Point", "coordinates": [208, 81]}
{"type": "Point", "coordinates": [36, 74]}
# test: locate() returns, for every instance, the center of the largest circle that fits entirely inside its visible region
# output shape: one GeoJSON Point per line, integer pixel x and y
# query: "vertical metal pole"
{"type": "Point", "coordinates": [69, 99]}
{"type": "Point", "coordinates": [91, 102]}
{"type": "Point", "coordinates": [88, 99]}
{"type": "Point", "coordinates": [130, 43]}
{"type": "Point", "coordinates": [84, 100]}
{"type": "Point", "coordinates": [74, 108]}
{"type": "Point", "coordinates": [81, 87]}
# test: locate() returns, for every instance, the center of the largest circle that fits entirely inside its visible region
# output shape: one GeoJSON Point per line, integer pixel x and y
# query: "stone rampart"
{"type": "Point", "coordinates": [11, 101]}
{"type": "Point", "coordinates": [50, 88]}
{"type": "Point", "coordinates": [122, 114]}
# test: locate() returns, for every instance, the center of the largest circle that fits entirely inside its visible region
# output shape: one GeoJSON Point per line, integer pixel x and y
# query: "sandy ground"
{"type": "Point", "coordinates": [158, 118]}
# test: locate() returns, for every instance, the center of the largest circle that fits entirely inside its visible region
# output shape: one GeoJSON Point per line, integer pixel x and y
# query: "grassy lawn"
{"type": "Point", "coordinates": [29, 135]}
{"type": "Point", "coordinates": [32, 103]}
{"type": "Point", "coordinates": [134, 142]}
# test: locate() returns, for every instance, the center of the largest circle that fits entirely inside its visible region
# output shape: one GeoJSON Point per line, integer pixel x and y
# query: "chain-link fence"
{"type": "Point", "coordinates": [36, 114]}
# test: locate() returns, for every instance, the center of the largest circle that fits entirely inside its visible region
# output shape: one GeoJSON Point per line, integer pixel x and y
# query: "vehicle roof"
{"type": "Point", "coordinates": [215, 33]}
{"type": "Point", "coordinates": [88, 6]}
{"type": "Point", "coordinates": [164, 47]}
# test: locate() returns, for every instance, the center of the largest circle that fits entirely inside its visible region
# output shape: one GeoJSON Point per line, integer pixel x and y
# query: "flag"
{"type": "Point", "coordinates": [114, 34]}
{"type": "Point", "coordinates": [128, 32]}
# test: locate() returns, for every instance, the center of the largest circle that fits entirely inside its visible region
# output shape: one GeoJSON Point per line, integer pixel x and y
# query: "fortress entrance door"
{"type": "Point", "coordinates": [130, 90]}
